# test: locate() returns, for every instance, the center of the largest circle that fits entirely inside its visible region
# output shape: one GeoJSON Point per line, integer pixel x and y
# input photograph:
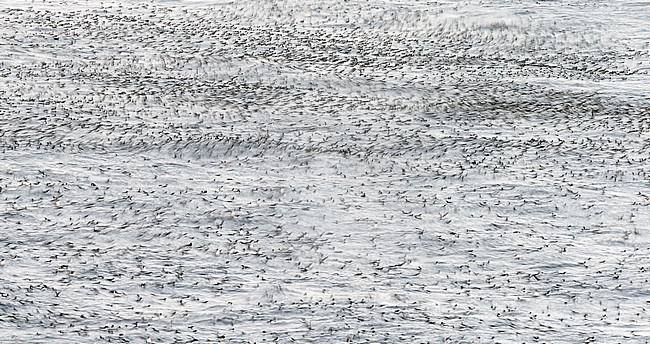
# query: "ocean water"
{"type": "Point", "coordinates": [324, 171]}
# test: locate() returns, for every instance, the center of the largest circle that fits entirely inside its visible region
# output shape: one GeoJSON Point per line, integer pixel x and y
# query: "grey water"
{"type": "Point", "coordinates": [324, 171]}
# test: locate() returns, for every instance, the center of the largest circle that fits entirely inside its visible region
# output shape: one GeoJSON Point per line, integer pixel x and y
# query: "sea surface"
{"type": "Point", "coordinates": [324, 171]}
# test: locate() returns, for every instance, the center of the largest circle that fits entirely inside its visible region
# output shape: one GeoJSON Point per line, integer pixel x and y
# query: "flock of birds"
{"type": "Point", "coordinates": [323, 172]}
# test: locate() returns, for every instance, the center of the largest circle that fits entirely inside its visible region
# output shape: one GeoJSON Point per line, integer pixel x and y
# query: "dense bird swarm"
{"type": "Point", "coordinates": [279, 171]}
